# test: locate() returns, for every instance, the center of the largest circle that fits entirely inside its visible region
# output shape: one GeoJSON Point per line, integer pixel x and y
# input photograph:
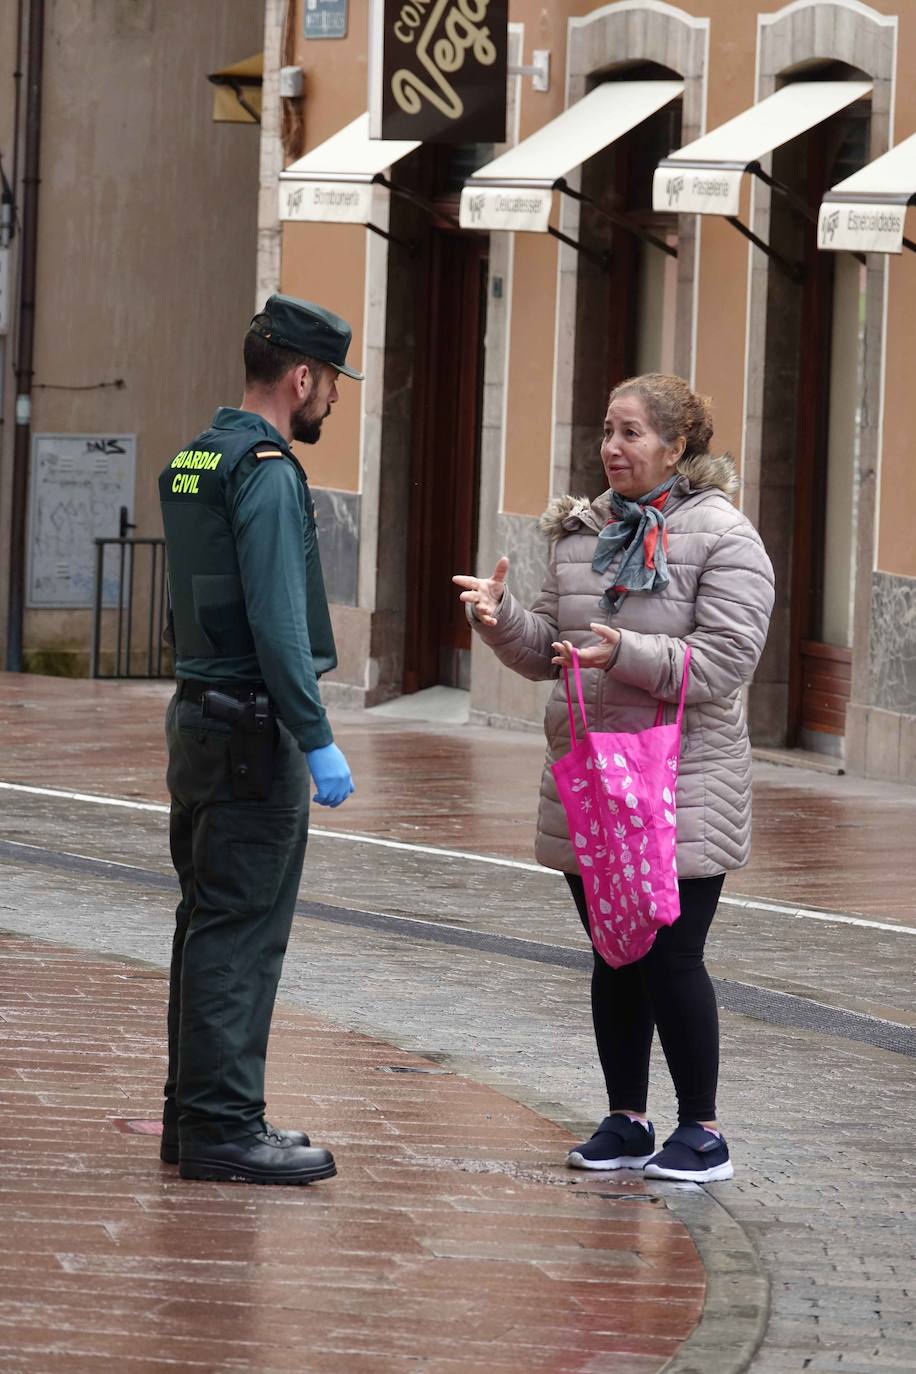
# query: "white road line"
{"type": "Point", "coordinates": [808, 914]}
{"type": "Point", "coordinates": [743, 903]}
{"type": "Point", "coordinates": [84, 797]}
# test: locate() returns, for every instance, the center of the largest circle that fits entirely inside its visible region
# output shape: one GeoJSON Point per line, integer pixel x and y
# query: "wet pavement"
{"type": "Point", "coordinates": [478, 967]}
{"type": "Point", "coordinates": [838, 843]}
{"type": "Point", "coordinates": [451, 1234]}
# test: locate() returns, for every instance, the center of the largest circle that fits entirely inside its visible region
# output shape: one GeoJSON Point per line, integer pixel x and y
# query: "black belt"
{"type": "Point", "coordinates": [192, 689]}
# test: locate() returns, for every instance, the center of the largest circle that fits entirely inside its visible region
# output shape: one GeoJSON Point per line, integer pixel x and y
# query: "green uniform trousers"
{"type": "Point", "coordinates": [239, 865]}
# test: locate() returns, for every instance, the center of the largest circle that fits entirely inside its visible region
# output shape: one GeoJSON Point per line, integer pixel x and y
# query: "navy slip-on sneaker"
{"type": "Point", "coordinates": [618, 1143]}
{"type": "Point", "coordinates": [692, 1155]}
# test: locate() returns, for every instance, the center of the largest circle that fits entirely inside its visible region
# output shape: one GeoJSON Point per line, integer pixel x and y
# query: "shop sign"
{"type": "Point", "coordinates": [339, 202]}
{"type": "Point", "coordinates": [326, 18]}
{"type": "Point", "coordinates": [504, 207]}
{"type": "Point", "coordinates": [861, 228]}
{"type": "Point", "coordinates": [682, 189]}
{"type": "Point", "coordinates": [437, 70]}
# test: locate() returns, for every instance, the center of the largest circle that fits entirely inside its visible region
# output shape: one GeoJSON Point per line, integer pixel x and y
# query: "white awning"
{"type": "Point", "coordinates": [704, 178]}
{"type": "Point", "coordinates": [515, 191]}
{"type": "Point", "coordinates": [334, 181]}
{"type": "Point", "coordinates": [867, 212]}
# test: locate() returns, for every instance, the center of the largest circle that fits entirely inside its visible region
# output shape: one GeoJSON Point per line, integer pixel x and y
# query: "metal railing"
{"type": "Point", "coordinates": [139, 609]}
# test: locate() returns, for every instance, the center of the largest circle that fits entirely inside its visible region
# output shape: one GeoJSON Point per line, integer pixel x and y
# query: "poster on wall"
{"type": "Point", "coordinates": [437, 70]}
{"type": "Point", "coordinates": [325, 18]}
{"type": "Point", "coordinates": [77, 486]}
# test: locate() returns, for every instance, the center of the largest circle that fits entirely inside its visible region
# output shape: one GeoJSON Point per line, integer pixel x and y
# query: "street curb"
{"type": "Point", "coordinates": [737, 1303]}
{"type": "Point", "coordinates": [736, 1306]}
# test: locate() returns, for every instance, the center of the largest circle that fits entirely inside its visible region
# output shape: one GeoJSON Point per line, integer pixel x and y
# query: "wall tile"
{"type": "Point", "coordinates": [893, 643]}
{"type": "Point", "coordinates": [337, 513]}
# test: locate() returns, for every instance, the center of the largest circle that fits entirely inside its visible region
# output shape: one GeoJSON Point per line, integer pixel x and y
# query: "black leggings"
{"type": "Point", "coordinates": [668, 988]}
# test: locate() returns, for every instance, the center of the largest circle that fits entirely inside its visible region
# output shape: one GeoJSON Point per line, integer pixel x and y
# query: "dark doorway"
{"type": "Point", "coordinates": [808, 459]}
{"type": "Point", "coordinates": [445, 458]}
{"type": "Point", "coordinates": [625, 307]}
{"type": "Point", "coordinates": [811, 707]}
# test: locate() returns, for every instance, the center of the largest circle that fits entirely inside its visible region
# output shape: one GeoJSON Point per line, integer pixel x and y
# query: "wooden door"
{"type": "Point", "coordinates": [819, 673]}
{"type": "Point", "coordinates": [445, 460]}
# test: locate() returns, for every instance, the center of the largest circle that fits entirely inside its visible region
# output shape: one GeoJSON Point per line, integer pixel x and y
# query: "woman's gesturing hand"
{"type": "Point", "coordinates": [601, 655]}
{"type": "Point", "coordinates": [484, 594]}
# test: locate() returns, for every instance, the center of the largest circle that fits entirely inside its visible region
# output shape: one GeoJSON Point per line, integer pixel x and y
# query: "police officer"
{"type": "Point", "coordinates": [245, 729]}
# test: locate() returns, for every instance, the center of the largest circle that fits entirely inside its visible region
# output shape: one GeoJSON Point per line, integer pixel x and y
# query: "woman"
{"type": "Point", "coordinates": [661, 561]}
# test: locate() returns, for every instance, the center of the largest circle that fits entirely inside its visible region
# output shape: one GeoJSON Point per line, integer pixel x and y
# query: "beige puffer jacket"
{"type": "Point", "coordinates": [718, 601]}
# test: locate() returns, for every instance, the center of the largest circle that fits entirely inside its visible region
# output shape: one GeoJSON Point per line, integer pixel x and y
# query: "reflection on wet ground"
{"type": "Point", "coordinates": [821, 841]}
{"type": "Point", "coordinates": [452, 1231]}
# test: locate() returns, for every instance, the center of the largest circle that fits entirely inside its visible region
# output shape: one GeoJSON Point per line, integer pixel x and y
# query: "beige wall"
{"type": "Point", "coordinates": [722, 287]}
{"type": "Point", "coordinates": [336, 77]}
{"type": "Point", "coordinates": [326, 263]}
{"type": "Point", "coordinates": [530, 382]}
{"type": "Point", "coordinates": [897, 500]}
{"type": "Point", "coordinates": [730, 77]}
{"type": "Point", "coordinates": [529, 392]}
{"type": "Point", "coordinates": [147, 234]}
{"type": "Point", "coordinates": [720, 316]}
{"type": "Point", "coordinates": [723, 278]}
{"type": "Point", "coordinates": [896, 526]}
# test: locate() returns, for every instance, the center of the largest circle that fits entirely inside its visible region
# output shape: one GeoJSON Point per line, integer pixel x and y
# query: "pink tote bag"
{"type": "Point", "coordinates": [618, 791]}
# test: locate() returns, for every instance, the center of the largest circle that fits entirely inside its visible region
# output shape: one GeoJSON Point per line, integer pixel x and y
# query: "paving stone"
{"type": "Point", "coordinates": [145, 1270]}
{"type": "Point", "coordinates": [822, 1129]}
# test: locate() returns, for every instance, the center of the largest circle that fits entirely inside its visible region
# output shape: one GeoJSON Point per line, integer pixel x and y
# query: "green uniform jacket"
{"type": "Point", "coordinates": [247, 592]}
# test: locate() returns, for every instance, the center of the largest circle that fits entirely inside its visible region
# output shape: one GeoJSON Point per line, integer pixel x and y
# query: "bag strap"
{"type": "Point", "coordinates": [688, 654]}
{"type": "Point", "coordinates": [569, 705]}
{"type": "Point", "coordinates": [660, 713]}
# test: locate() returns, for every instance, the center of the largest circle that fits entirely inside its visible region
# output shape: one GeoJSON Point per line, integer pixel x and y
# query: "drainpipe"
{"type": "Point", "coordinates": [25, 334]}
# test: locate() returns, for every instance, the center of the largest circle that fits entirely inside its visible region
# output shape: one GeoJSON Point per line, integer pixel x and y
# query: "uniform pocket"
{"type": "Point", "coordinates": [198, 768]}
{"type": "Point", "coordinates": [242, 854]}
{"type": "Point", "coordinates": [219, 611]}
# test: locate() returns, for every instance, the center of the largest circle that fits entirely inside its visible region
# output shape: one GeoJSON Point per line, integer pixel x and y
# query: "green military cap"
{"type": "Point", "coordinates": [309, 329]}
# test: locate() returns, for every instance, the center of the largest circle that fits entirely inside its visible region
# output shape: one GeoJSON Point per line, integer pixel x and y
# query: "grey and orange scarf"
{"type": "Point", "coordinates": [639, 528]}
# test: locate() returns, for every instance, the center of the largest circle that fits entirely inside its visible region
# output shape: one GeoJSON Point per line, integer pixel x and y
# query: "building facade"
{"type": "Point", "coordinates": [145, 243]}
{"type": "Point", "coordinates": [489, 354]}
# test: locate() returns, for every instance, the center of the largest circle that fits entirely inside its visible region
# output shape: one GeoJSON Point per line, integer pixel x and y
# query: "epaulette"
{"type": "Point", "coordinates": [267, 450]}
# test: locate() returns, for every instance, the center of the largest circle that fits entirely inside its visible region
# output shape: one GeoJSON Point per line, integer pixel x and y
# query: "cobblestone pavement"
{"type": "Point", "coordinates": [816, 837]}
{"type": "Point", "coordinates": [821, 1124]}
{"type": "Point", "coordinates": [450, 1197]}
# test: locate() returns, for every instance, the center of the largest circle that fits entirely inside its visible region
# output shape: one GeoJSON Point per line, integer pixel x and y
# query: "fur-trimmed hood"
{"type": "Point", "coordinates": [702, 472]}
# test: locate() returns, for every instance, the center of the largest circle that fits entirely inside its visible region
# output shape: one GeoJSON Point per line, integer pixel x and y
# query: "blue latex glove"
{"type": "Point", "coordinates": [330, 774]}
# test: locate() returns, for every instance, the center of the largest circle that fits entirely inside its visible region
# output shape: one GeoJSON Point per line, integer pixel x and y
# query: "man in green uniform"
{"type": "Point", "coordinates": [245, 729]}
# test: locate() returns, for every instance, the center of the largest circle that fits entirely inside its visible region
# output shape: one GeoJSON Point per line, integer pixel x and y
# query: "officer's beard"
{"type": "Point", "coordinates": [306, 427]}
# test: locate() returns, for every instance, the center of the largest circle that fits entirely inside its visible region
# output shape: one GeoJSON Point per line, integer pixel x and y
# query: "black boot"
{"type": "Point", "coordinates": [268, 1157]}
{"type": "Point", "coordinates": [169, 1151]}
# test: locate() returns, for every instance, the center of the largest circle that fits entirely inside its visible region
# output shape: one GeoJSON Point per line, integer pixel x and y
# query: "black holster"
{"type": "Point", "coordinates": [252, 741]}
